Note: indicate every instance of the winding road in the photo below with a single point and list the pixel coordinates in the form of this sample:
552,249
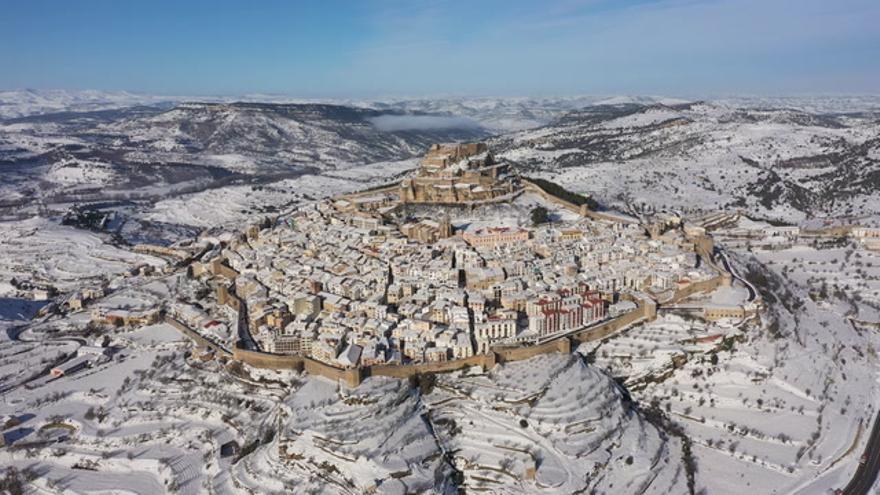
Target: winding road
866,473
753,292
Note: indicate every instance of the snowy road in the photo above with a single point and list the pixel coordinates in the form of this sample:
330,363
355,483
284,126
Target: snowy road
866,474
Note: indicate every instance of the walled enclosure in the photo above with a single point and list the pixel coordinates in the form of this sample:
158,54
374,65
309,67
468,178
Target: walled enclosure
646,310
353,376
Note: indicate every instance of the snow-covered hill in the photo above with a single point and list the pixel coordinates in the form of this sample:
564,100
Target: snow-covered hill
776,163
778,403
327,136
24,102
147,153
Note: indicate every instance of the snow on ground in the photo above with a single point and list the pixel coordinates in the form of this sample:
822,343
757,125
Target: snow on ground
153,421
28,140
646,350
145,420
701,157
779,405
233,206
379,171
516,214
45,252
17,103
79,173
353,441
653,116
236,205
550,424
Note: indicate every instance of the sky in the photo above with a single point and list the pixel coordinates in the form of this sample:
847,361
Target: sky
331,48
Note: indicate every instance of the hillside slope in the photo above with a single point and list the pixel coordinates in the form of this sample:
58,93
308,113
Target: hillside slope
781,164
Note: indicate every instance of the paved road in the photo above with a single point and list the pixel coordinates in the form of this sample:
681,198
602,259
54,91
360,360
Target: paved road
244,333
753,292
866,474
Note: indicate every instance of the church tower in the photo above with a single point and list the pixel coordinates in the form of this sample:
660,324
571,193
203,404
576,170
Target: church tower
445,228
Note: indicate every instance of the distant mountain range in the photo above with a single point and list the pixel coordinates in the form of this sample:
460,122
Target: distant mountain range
785,159
140,152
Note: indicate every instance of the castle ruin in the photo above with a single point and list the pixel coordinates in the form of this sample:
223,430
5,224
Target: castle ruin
458,173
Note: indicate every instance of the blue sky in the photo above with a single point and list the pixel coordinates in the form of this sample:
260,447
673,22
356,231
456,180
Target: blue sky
332,48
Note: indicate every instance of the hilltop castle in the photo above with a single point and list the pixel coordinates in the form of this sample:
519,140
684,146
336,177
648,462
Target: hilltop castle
457,173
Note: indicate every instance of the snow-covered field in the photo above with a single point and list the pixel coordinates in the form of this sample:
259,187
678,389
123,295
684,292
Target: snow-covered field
780,405
773,163
44,252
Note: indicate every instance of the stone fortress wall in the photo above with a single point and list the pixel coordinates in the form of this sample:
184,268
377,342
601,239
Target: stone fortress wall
579,210
721,280
646,311
498,354
196,337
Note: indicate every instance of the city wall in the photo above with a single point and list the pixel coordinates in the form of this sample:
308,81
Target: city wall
499,354
701,286
390,188
609,327
579,210
196,337
534,188
351,376
520,353
839,231
161,250
219,267
485,361
224,297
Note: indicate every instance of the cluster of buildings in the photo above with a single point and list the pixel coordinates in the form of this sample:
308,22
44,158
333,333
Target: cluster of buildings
355,283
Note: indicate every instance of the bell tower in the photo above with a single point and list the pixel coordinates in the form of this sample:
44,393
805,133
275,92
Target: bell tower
445,228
